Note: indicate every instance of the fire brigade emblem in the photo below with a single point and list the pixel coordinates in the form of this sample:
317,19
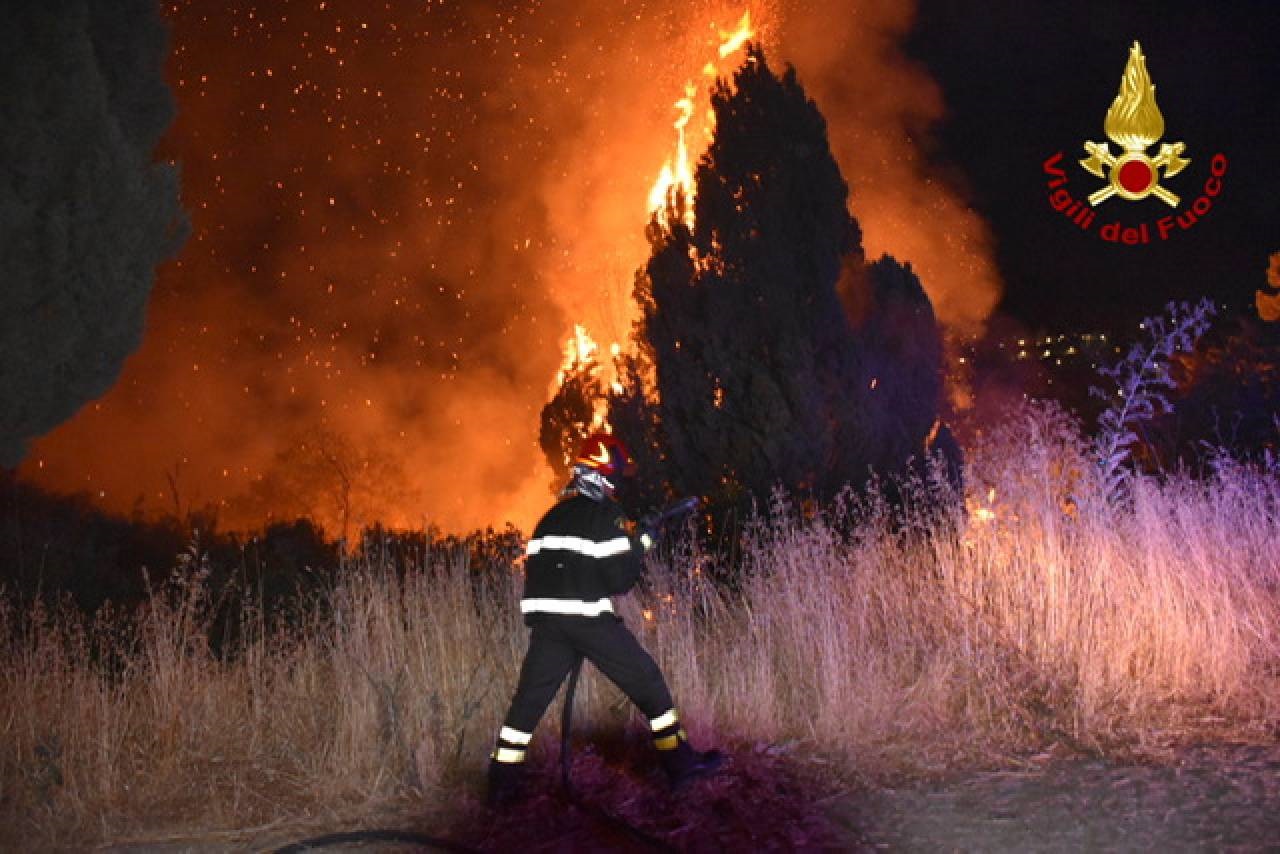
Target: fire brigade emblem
1134,123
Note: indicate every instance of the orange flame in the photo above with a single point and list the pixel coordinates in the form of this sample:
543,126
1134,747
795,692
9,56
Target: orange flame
676,176
985,512
736,39
580,350
1268,301
674,180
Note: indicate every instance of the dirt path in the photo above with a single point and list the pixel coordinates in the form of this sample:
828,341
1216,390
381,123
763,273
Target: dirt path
1211,799
1207,799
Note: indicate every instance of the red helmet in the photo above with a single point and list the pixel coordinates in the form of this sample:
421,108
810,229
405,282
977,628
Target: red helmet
607,455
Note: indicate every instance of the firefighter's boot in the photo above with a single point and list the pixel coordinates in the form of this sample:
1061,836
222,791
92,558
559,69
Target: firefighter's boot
506,783
684,764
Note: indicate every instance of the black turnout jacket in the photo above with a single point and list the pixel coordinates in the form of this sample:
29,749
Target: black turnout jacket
580,555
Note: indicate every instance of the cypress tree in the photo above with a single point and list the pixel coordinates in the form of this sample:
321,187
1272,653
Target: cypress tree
761,374
778,355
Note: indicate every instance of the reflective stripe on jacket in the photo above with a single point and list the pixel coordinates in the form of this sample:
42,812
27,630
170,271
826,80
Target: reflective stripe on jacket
580,555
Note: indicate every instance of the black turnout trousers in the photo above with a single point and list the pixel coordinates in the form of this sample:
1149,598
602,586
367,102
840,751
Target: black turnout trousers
555,644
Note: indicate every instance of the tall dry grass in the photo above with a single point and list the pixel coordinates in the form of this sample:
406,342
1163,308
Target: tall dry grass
891,644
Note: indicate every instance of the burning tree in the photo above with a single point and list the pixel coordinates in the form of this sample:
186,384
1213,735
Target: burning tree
780,356
568,418
582,405
769,351
753,352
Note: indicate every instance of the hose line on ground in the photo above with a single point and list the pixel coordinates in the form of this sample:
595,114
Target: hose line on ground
566,722
412,838
353,836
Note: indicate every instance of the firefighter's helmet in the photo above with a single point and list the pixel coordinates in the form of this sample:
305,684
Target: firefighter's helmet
608,456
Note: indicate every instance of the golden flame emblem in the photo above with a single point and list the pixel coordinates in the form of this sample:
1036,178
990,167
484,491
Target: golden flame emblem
1134,123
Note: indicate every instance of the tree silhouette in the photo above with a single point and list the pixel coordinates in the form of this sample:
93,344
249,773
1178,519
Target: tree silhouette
781,357
901,379
328,477
566,419
741,313
634,417
85,215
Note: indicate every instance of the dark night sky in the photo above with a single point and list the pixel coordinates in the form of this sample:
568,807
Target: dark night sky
1025,80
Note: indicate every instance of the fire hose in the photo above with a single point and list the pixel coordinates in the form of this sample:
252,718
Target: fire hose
679,510
651,525
566,721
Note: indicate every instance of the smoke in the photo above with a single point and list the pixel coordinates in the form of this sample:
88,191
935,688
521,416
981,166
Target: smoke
880,107
399,215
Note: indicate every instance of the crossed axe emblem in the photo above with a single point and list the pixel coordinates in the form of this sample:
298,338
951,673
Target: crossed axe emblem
1134,175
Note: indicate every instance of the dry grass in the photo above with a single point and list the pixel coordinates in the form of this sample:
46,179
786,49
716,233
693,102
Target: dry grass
1043,615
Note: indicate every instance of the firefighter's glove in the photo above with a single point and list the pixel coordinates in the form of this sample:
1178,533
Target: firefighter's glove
650,531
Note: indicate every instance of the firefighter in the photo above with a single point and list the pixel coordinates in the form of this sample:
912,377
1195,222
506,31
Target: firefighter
581,554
